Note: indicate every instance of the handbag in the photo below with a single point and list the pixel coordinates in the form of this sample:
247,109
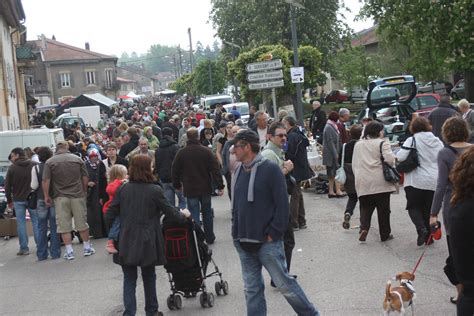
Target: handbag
290,183
341,173
32,199
412,161
390,174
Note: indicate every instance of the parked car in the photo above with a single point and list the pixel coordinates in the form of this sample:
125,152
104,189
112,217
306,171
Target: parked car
70,120
424,103
242,107
209,101
358,94
388,101
440,87
337,96
458,90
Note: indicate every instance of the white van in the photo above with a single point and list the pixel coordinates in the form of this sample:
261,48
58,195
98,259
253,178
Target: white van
26,138
242,107
209,101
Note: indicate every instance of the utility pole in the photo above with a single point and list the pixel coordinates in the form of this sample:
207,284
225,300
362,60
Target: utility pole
210,76
180,61
175,68
190,49
296,62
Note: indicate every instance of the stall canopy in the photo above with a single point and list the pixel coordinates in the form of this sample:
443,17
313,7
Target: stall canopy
90,100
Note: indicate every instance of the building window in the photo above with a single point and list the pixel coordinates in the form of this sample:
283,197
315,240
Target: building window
65,80
90,77
28,80
108,78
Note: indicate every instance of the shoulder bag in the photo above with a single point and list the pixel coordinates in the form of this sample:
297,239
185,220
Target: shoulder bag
412,161
340,173
390,174
32,198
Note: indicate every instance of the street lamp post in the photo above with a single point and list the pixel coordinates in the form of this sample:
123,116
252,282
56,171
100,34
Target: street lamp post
233,45
296,62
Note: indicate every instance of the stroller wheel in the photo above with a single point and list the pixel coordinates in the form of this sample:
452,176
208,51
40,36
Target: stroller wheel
210,299
203,299
225,287
178,303
218,288
171,303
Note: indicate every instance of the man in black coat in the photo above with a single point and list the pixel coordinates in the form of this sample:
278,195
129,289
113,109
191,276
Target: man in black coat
172,124
438,116
194,170
164,157
296,152
131,144
317,121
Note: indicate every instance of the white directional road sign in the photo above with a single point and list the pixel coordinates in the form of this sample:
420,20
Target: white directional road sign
297,74
266,85
264,65
261,76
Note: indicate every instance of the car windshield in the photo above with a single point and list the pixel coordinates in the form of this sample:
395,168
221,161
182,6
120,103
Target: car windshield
393,92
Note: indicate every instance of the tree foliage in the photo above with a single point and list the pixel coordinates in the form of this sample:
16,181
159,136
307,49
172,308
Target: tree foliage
353,67
437,33
250,24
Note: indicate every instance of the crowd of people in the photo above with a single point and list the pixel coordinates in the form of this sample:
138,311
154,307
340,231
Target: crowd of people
157,156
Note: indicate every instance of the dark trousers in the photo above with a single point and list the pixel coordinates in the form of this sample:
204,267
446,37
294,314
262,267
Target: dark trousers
449,267
351,203
419,207
130,285
228,180
289,244
465,305
368,203
297,210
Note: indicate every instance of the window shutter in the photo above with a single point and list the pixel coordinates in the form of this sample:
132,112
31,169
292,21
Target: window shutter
71,81
85,78
59,81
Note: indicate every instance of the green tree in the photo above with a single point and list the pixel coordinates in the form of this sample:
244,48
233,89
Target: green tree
184,84
438,35
250,24
353,67
209,77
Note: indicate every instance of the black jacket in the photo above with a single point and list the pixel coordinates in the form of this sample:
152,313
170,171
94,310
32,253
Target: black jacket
438,116
128,147
18,180
297,153
317,121
173,127
164,157
140,206
195,168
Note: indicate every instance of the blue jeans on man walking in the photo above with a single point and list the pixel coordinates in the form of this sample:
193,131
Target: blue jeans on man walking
271,256
47,215
20,213
203,203
170,192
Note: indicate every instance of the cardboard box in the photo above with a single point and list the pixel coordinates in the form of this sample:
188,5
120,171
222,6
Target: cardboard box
8,227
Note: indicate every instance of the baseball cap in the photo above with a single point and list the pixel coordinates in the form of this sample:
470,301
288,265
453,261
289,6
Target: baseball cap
247,136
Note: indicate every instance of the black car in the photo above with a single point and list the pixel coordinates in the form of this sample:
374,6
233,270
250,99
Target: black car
388,101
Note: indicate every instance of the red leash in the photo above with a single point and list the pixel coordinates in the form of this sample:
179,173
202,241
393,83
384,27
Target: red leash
422,254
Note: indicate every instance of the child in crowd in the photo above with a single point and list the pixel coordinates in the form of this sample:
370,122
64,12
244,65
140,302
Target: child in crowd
117,176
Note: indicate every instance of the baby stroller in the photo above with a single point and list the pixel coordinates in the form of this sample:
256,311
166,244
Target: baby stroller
188,257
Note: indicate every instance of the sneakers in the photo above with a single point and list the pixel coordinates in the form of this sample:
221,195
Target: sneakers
295,228
89,251
111,247
363,235
347,218
303,226
69,255
23,253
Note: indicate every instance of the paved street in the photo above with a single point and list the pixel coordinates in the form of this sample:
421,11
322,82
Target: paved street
340,275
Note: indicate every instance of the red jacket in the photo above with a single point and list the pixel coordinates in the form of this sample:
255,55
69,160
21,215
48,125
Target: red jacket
111,189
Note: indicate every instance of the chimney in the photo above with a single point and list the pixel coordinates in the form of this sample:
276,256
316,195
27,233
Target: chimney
53,38
88,46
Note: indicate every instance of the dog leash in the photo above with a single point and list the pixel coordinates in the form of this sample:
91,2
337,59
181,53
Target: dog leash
422,254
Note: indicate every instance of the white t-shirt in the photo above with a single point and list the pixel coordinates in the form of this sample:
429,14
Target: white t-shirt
262,135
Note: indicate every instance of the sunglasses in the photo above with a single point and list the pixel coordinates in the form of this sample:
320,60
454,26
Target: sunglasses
281,135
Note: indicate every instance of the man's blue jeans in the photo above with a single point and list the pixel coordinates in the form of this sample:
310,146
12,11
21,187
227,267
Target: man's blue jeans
195,205
20,212
169,192
271,256
47,215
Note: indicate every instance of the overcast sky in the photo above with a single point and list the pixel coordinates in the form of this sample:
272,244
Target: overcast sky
115,26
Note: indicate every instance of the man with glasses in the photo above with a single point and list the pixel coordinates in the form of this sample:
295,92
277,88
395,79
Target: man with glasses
260,216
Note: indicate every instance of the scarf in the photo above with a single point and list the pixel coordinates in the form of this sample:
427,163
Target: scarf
253,165
334,124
